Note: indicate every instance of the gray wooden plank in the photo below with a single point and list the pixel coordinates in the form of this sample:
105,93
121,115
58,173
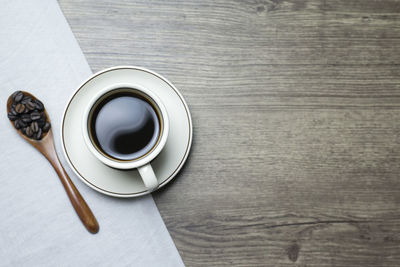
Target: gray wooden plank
295,107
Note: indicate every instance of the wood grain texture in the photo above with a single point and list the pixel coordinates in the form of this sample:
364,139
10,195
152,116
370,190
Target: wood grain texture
295,105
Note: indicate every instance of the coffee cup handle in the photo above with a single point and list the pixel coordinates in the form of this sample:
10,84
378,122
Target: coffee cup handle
148,177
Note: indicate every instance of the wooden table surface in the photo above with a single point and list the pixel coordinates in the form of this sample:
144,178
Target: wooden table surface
296,107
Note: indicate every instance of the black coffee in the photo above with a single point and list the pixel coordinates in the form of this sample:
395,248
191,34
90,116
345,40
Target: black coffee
124,126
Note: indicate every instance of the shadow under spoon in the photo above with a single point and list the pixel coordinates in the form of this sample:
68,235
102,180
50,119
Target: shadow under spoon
44,142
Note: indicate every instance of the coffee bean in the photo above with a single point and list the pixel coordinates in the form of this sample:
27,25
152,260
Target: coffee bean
41,122
26,99
28,115
28,131
35,115
11,116
38,135
13,111
35,127
14,94
17,96
22,123
46,127
39,105
20,108
30,105
16,124
26,118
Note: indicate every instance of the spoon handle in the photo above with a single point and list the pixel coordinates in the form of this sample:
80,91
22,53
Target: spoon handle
77,201
82,209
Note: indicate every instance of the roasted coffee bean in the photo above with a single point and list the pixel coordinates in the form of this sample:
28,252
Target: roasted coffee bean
28,115
11,116
46,127
42,117
26,118
30,105
17,96
26,99
35,115
28,131
20,108
14,94
17,125
13,111
35,127
22,123
41,122
38,135
39,105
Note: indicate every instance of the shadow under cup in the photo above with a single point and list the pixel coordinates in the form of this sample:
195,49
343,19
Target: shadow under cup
125,124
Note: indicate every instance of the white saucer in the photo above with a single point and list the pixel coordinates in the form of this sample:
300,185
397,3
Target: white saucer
114,182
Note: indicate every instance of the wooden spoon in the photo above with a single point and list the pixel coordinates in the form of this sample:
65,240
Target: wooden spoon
46,147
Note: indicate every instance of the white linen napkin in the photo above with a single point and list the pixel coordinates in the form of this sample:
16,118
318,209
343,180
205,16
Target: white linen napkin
38,226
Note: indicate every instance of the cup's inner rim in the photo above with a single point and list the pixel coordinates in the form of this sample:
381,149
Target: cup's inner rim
142,94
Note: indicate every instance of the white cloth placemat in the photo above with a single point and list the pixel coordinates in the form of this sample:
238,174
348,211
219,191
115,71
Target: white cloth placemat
38,226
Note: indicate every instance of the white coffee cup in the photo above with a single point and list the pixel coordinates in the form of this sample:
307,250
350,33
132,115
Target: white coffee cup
141,163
